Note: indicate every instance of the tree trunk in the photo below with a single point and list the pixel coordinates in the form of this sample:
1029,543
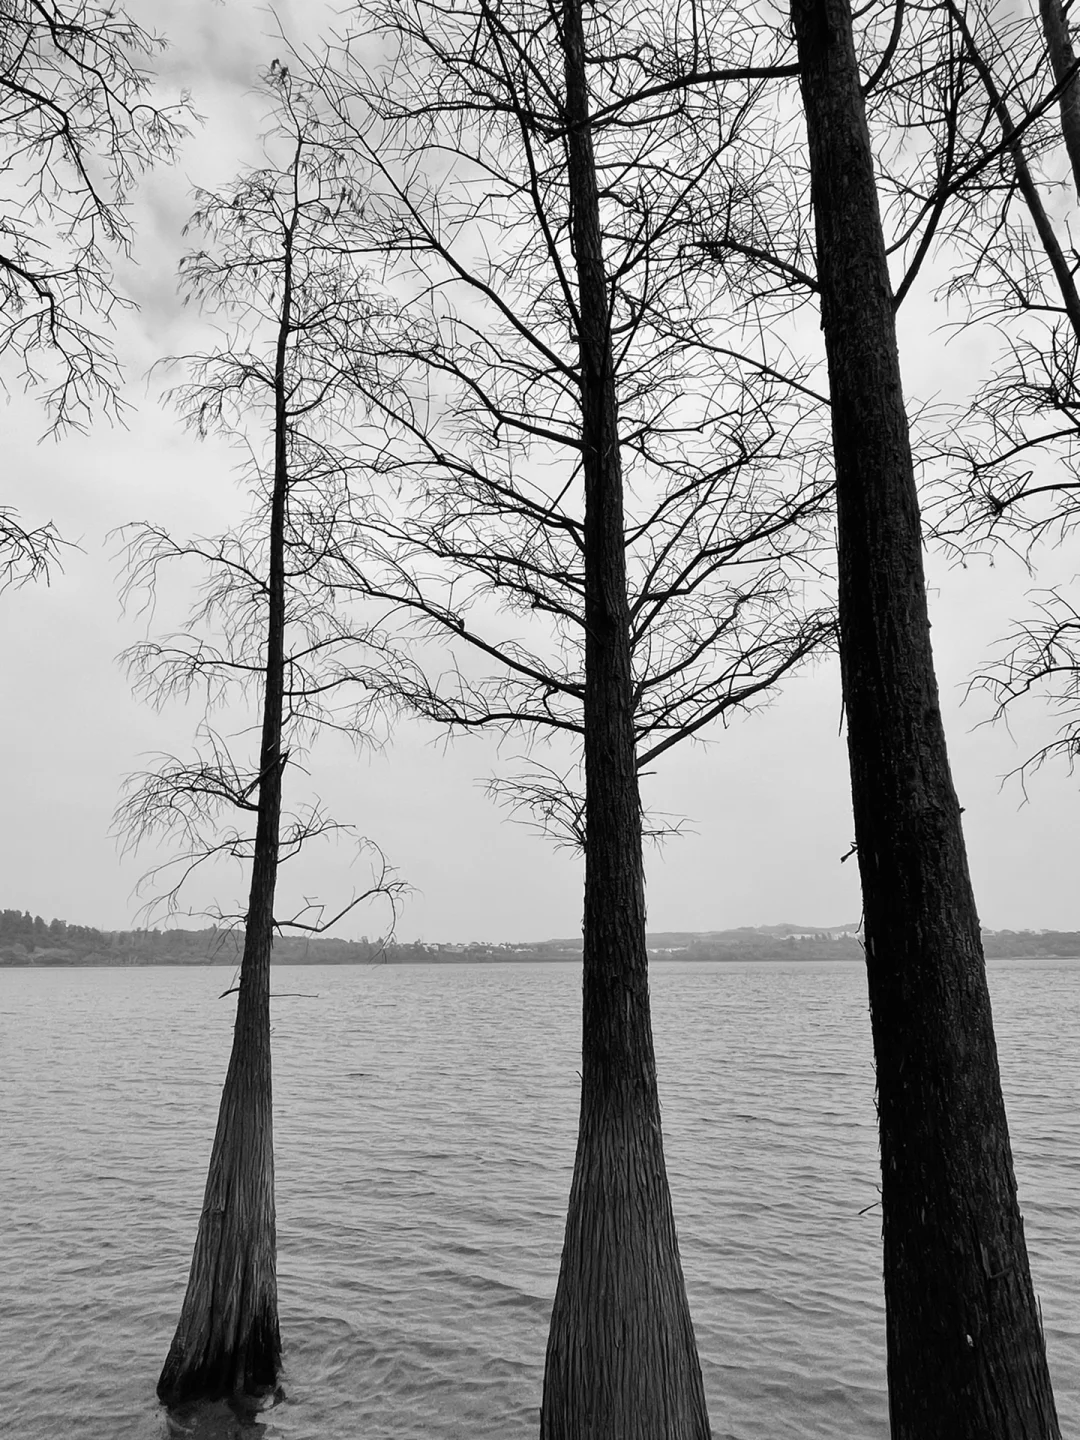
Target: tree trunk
1063,63
966,1359
227,1342
621,1359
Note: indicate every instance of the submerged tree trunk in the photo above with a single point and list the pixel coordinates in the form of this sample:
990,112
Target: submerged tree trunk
966,1358
621,1358
227,1342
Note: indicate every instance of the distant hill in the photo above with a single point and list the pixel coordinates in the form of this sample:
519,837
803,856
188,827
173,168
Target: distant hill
30,940
745,934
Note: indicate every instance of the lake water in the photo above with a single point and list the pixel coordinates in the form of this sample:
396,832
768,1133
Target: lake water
425,1125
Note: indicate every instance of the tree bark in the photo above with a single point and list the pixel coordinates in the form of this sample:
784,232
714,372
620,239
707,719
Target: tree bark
621,1358
228,1342
966,1359
1063,63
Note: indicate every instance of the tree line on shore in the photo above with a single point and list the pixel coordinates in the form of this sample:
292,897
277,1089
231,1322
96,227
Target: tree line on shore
30,940
558,343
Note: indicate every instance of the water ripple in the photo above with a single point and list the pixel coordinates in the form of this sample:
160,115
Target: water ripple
425,1121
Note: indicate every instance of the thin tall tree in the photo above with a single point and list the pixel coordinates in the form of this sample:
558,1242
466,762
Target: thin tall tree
277,270
621,1357
593,510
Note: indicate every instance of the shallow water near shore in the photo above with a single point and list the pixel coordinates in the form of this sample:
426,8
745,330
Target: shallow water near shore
425,1122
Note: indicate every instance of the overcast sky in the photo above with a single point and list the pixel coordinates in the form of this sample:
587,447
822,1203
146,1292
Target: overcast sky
767,800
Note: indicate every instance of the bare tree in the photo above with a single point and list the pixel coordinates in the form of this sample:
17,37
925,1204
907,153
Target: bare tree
965,1347
77,127
959,1299
601,495
276,271
1013,461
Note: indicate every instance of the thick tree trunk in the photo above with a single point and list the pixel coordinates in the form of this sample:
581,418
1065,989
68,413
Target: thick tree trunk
227,1342
966,1359
621,1359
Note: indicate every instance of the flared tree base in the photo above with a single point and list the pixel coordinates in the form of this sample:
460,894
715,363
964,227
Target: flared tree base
622,1361
241,1364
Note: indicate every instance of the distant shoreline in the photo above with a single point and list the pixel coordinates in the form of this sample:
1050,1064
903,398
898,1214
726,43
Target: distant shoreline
29,942
374,964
